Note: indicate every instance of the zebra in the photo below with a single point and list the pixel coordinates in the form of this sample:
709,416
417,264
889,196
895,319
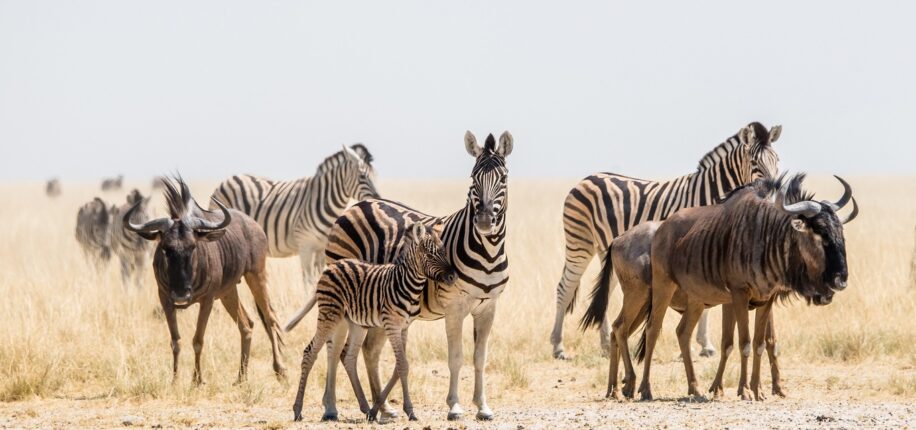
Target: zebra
93,231
605,205
132,250
365,295
474,239
296,215
112,184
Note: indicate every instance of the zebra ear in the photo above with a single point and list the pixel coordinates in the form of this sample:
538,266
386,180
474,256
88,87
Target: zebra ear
352,155
774,133
505,144
470,144
747,136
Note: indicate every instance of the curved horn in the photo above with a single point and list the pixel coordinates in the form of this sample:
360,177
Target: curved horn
854,213
847,194
160,224
202,224
806,208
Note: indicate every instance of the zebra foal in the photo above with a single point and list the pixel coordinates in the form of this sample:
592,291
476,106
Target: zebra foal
374,295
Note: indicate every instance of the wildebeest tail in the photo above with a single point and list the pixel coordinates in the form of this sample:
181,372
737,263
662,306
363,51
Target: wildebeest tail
268,326
301,313
641,346
600,296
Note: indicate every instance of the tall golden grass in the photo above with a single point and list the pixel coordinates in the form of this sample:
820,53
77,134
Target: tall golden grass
69,331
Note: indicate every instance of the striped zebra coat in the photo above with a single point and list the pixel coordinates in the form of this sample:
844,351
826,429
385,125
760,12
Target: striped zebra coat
474,239
365,295
132,250
605,205
296,215
93,231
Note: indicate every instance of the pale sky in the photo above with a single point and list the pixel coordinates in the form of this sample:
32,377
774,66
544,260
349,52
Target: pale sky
213,88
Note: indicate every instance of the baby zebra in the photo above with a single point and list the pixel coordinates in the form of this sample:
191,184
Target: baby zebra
132,250
369,295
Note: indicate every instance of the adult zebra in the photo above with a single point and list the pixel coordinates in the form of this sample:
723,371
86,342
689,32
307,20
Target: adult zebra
296,215
474,239
605,205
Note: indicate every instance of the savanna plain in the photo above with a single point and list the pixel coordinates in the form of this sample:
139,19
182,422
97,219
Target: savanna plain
79,349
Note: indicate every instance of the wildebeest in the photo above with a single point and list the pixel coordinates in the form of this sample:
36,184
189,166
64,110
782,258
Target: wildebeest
200,257
131,249
745,252
112,184
52,188
93,231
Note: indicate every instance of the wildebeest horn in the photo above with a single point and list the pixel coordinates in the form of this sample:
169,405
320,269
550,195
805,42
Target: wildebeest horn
806,208
160,224
202,224
854,213
847,194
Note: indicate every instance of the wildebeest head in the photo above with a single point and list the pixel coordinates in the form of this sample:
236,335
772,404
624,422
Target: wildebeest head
820,262
758,142
178,237
423,248
358,172
488,194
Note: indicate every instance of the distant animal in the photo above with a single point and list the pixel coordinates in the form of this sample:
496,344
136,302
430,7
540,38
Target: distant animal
474,238
200,257
112,184
52,188
132,250
745,252
605,205
158,183
631,261
296,215
387,296
93,231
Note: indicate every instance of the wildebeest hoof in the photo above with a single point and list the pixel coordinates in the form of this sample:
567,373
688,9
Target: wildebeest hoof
372,415
329,416
485,415
412,417
561,355
707,352
777,391
454,416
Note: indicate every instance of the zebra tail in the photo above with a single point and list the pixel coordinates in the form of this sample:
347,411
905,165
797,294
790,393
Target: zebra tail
641,346
600,296
301,313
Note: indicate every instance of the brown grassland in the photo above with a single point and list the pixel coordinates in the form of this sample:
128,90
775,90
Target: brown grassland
78,349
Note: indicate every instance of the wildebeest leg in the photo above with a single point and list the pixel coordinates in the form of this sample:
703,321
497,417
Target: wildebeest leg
662,292
335,347
708,350
203,316
257,283
577,258
739,307
760,327
773,352
327,325
684,330
237,312
635,300
351,352
728,340
372,350
169,309
483,322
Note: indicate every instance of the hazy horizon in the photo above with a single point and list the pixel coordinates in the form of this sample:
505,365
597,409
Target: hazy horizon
96,88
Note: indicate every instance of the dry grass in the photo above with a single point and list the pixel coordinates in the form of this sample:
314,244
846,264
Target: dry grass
69,332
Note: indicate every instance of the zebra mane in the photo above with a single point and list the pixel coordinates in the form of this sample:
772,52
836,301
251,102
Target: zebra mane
718,153
488,158
338,158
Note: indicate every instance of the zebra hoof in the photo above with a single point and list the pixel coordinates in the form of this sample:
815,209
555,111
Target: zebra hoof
707,352
561,355
329,417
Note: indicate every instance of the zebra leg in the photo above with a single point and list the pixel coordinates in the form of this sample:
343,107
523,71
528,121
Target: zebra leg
351,352
335,347
234,307
576,262
708,350
203,316
312,259
483,322
453,328
372,350
125,270
326,327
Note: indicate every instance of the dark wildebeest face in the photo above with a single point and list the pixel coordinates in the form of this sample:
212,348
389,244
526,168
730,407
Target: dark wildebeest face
429,254
758,142
488,194
359,172
821,245
178,238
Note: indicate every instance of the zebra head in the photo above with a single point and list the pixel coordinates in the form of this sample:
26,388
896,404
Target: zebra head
758,143
359,173
423,248
178,236
819,264
488,194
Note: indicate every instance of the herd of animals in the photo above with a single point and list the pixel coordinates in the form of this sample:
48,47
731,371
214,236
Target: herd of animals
734,233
